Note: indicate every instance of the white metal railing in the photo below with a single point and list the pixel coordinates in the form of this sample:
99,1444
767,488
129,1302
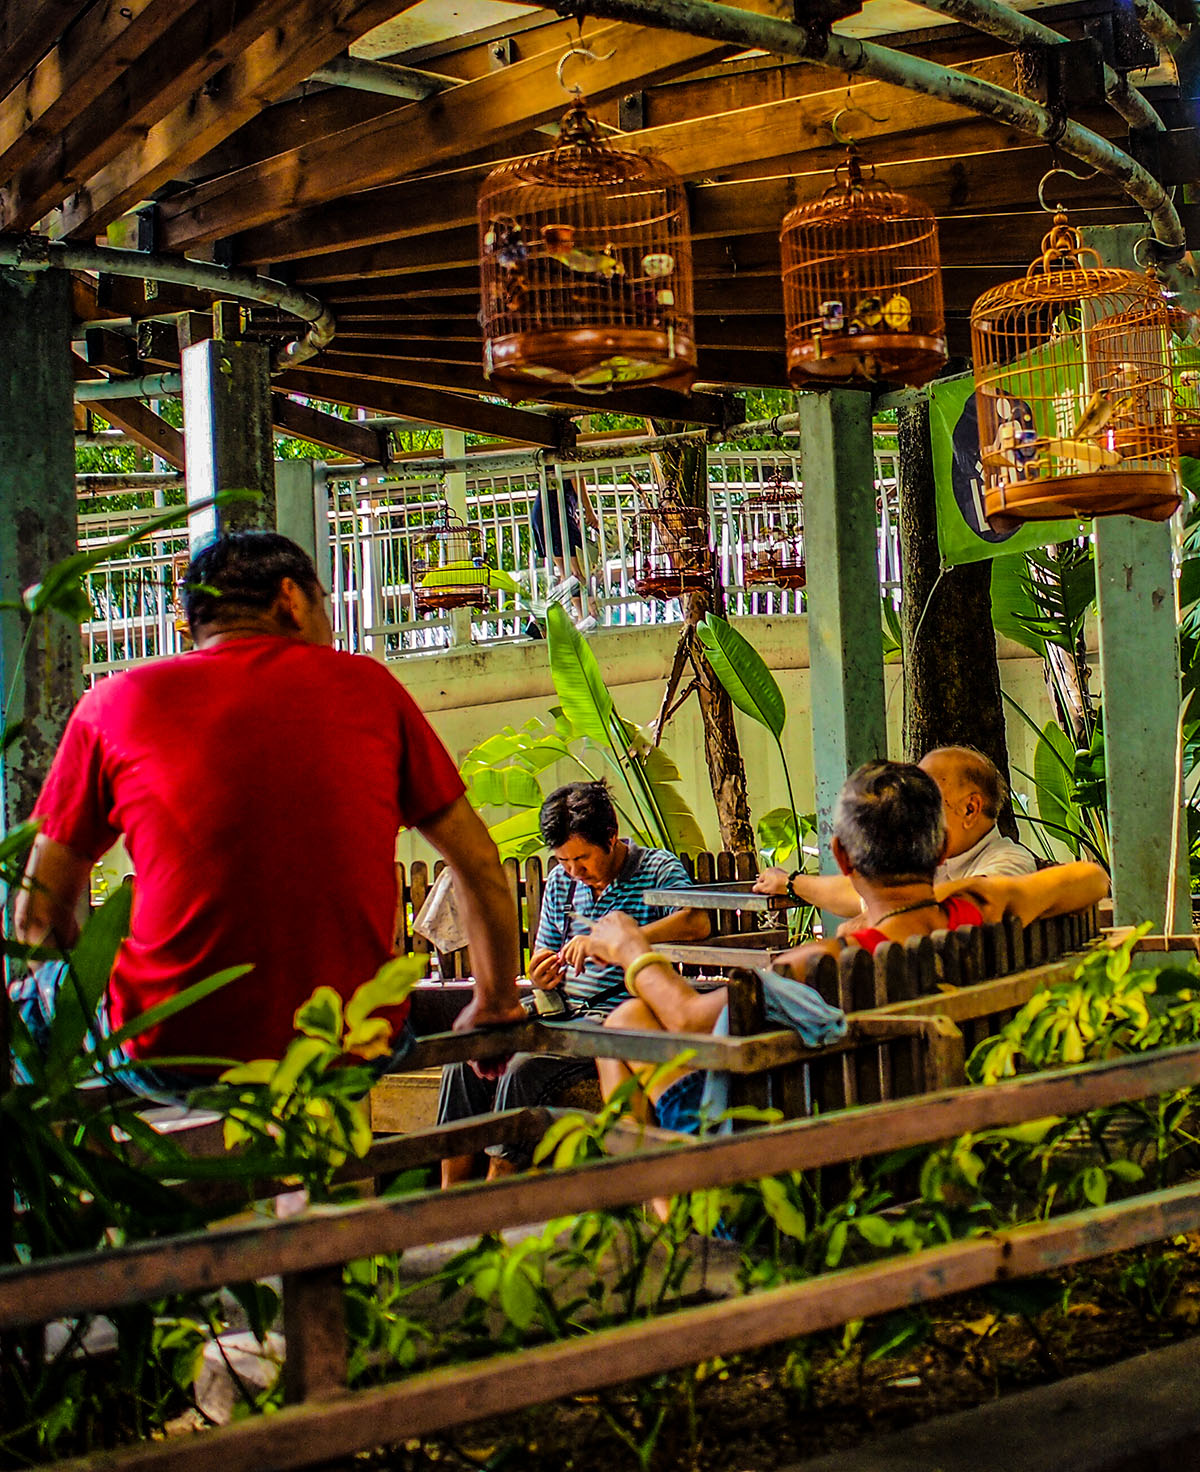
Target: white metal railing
371,538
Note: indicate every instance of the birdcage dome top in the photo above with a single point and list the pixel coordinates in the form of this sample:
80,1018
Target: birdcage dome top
1066,271
861,196
582,159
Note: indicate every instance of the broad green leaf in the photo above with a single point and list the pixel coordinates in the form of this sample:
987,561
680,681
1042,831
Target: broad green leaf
389,987
256,1071
704,1208
370,1039
504,786
683,831
519,836
782,1210
1014,613
744,673
89,967
1094,1185
1053,769
577,679
875,1230
302,1053
321,1016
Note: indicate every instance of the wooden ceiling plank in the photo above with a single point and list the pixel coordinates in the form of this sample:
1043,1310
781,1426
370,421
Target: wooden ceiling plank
797,127
165,72
410,401
27,32
90,57
313,32
420,136
346,436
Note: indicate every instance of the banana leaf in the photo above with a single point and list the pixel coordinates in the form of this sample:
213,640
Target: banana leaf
744,673
578,682
1053,770
519,836
89,967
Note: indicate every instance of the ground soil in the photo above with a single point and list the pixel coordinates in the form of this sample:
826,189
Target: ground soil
776,1407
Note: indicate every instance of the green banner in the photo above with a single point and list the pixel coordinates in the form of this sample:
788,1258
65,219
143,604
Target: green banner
963,532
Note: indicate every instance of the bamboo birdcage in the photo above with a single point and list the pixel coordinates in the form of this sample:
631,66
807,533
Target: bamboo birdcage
1073,390
672,548
448,568
586,268
1185,381
772,534
862,285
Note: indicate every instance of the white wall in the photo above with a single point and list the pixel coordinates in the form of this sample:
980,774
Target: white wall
470,693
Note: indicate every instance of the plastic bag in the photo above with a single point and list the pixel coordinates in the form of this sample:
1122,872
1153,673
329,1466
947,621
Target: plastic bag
438,919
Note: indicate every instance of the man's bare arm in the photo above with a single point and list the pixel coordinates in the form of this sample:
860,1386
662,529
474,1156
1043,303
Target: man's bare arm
832,892
488,912
679,925
1058,890
46,907
677,1006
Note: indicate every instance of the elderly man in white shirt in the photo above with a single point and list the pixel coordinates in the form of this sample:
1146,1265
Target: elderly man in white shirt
973,792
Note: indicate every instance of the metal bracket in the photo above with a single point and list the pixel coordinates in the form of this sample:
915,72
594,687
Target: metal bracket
502,53
631,112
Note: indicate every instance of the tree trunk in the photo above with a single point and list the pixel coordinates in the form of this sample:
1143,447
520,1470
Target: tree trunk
685,467
951,674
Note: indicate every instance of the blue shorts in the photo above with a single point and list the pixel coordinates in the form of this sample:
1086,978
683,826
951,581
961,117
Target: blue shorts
678,1106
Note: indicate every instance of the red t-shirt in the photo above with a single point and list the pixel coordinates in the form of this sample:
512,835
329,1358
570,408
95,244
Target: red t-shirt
959,911
260,785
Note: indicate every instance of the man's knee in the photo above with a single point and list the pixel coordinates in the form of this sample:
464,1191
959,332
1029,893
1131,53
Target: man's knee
633,1014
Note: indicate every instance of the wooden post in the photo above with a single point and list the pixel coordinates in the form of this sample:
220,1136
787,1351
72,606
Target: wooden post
845,635
314,1330
228,439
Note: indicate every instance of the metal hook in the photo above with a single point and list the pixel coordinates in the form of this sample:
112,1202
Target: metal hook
1049,174
587,54
841,113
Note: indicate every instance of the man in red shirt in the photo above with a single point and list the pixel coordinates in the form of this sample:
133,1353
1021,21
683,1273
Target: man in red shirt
259,782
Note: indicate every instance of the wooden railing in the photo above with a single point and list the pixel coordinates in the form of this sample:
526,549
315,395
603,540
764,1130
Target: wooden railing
324,1420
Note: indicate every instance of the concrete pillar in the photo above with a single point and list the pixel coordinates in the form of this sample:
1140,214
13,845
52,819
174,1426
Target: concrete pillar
1139,671
228,440
845,632
39,681
454,447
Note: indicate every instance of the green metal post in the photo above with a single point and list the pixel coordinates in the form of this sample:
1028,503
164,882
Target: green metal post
1139,670
39,681
845,633
228,440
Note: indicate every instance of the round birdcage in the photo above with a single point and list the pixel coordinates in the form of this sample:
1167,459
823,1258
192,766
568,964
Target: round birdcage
1073,390
862,285
180,562
586,268
771,523
672,550
448,568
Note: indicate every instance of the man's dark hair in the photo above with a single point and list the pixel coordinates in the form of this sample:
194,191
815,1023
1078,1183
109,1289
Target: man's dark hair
243,570
889,819
580,809
975,769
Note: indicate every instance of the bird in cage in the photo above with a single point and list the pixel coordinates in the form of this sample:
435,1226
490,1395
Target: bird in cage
559,245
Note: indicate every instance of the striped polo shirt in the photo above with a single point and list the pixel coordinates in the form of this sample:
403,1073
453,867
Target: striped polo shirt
601,986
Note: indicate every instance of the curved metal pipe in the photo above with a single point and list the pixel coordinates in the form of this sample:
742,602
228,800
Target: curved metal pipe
36,253
152,386
1157,24
1017,29
742,28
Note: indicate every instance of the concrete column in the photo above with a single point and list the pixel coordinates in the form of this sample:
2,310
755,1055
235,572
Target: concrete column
1139,671
845,631
228,440
41,681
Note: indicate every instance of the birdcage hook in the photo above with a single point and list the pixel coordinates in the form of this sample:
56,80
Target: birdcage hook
587,54
835,124
1048,175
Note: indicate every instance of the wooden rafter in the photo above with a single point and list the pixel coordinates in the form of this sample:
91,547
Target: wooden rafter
410,401
355,441
308,34
420,136
145,426
27,32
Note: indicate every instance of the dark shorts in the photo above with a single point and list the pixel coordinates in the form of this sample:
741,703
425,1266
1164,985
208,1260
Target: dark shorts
678,1106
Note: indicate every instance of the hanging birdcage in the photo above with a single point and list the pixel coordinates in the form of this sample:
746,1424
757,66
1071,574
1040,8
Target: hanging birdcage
1073,390
771,524
672,553
180,563
448,569
586,268
862,285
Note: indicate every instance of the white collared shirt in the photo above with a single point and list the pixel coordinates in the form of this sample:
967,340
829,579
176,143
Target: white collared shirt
993,854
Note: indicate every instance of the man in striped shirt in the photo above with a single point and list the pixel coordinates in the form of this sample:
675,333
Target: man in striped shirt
598,873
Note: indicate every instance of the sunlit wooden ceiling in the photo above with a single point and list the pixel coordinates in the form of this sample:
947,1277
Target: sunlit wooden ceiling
256,133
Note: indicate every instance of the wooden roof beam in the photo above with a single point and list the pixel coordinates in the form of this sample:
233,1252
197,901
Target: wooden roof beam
309,33
420,136
448,411
27,32
347,436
